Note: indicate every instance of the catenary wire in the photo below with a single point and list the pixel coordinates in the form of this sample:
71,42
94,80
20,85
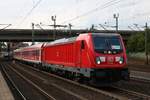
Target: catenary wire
108,4
29,13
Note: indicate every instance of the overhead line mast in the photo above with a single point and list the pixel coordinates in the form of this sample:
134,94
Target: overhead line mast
116,16
53,18
146,44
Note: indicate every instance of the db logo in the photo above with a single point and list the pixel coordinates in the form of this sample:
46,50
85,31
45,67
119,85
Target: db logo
110,59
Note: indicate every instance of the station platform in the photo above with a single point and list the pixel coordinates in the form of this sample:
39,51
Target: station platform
5,93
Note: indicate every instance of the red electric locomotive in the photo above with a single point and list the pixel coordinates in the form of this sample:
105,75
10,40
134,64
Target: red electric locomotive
96,57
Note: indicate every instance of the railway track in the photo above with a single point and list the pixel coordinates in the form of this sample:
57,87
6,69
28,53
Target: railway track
112,92
139,88
133,95
65,86
16,92
138,75
116,90
33,90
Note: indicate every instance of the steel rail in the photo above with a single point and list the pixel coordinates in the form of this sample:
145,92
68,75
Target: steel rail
140,80
112,95
33,84
144,76
20,94
136,95
56,86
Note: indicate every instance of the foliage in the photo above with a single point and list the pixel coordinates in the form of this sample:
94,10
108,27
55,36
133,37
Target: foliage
136,42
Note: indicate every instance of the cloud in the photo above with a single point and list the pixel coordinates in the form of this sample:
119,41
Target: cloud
13,12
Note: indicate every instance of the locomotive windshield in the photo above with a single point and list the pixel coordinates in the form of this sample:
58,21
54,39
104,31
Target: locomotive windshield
107,44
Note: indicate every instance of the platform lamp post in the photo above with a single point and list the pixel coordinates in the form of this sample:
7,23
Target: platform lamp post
54,33
116,16
32,33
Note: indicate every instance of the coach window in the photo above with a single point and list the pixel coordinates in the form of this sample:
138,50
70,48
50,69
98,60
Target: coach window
37,52
82,44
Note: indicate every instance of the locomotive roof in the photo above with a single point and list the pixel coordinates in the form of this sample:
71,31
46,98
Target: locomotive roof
61,41
72,39
106,34
36,46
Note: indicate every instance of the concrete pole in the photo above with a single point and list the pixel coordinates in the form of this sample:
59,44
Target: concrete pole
32,33
70,28
116,16
54,33
146,46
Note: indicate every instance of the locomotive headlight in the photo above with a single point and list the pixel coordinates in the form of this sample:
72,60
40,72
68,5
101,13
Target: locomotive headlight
120,62
98,61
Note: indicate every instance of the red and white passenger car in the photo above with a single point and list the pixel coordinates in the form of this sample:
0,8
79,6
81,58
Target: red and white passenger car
31,54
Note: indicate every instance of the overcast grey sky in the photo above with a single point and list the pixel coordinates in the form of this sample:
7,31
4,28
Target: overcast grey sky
80,13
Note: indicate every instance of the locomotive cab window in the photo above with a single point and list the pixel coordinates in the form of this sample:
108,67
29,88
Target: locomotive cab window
103,44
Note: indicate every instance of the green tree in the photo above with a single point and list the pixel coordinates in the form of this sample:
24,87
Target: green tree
136,42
